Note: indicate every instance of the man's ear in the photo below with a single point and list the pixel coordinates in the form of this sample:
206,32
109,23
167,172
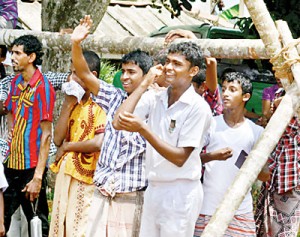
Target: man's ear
194,70
95,73
246,97
32,57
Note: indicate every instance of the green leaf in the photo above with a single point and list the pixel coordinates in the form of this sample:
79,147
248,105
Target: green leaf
230,13
107,71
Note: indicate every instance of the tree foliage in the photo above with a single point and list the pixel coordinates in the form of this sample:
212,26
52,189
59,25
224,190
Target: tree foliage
288,11
174,6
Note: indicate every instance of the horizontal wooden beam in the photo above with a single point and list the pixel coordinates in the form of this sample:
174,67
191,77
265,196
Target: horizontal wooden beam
219,48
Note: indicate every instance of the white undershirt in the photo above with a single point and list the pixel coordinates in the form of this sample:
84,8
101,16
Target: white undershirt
219,175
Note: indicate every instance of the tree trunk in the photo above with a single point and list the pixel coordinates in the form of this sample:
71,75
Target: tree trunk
64,14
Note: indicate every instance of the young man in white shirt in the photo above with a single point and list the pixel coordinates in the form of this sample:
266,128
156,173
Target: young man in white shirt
238,134
177,119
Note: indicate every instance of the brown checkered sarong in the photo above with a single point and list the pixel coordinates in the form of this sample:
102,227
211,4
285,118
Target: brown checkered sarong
278,215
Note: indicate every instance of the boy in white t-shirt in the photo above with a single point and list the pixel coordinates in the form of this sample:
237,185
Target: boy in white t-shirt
239,134
3,186
177,119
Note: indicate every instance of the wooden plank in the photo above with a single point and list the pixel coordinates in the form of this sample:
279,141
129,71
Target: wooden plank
126,18
110,27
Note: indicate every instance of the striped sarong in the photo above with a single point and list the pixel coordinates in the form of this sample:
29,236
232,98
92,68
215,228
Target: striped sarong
277,215
241,226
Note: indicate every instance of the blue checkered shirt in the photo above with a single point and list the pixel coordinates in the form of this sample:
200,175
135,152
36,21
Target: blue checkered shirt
121,166
56,79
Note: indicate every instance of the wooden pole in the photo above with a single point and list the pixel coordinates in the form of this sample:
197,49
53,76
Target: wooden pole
218,48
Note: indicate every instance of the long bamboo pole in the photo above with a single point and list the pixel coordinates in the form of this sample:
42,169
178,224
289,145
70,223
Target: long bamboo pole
264,25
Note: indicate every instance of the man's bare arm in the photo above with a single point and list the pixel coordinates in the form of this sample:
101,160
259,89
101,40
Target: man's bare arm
221,154
176,155
61,127
88,146
33,188
78,60
211,74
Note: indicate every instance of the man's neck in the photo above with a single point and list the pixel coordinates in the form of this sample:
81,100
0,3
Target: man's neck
175,93
28,73
85,97
234,117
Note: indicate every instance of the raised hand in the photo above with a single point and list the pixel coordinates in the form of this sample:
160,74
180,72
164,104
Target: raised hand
154,73
177,34
82,30
210,61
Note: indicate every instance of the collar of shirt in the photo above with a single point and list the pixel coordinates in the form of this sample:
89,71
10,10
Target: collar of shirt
34,79
184,98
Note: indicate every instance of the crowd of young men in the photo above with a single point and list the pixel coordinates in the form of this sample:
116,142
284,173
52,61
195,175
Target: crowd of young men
147,176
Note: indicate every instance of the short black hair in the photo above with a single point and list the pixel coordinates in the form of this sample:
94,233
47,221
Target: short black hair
242,79
160,57
31,44
226,70
191,51
3,51
200,77
93,61
140,58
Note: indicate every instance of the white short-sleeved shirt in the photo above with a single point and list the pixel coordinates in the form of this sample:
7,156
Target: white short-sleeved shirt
219,175
183,124
3,182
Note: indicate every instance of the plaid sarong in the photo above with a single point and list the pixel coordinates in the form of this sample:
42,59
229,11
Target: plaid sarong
277,215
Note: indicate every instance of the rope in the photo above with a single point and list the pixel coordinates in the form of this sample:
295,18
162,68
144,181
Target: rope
282,62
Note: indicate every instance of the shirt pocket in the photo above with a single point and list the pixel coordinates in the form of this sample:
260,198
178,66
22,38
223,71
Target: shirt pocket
173,126
26,107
